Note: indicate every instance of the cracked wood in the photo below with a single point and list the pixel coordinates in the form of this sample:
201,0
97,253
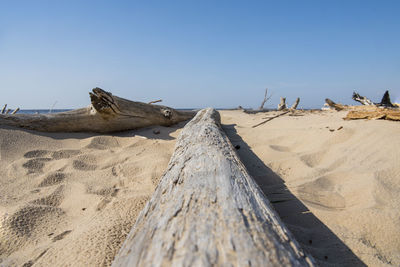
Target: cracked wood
208,211
107,113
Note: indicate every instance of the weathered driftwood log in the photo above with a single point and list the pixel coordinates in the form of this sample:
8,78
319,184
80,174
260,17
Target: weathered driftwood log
374,114
282,104
385,101
332,104
371,112
3,109
208,211
362,99
295,104
107,113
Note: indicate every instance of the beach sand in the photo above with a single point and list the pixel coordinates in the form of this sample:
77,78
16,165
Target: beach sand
335,183
71,199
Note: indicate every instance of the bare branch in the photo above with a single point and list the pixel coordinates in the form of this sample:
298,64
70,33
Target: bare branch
266,98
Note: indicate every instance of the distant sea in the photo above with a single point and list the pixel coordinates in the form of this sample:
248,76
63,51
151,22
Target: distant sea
41,111
46,111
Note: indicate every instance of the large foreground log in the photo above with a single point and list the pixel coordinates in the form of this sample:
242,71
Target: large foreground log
208,211
107,113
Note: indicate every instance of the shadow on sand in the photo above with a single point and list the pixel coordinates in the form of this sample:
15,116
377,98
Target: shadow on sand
312,234
152,132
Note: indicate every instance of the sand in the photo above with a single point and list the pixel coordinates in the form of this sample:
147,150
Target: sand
335,183
71,199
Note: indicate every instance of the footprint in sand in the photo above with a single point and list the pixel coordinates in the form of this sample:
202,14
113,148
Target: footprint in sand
280,148
25,221
54,199
106,193
322,193
313,159
35,165
36,154
85,163
103,142
53,179
65,154
83,166
30,220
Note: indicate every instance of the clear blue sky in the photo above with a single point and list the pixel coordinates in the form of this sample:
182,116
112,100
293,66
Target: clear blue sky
198,53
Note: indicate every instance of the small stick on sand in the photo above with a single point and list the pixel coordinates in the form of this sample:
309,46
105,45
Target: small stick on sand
155,101
271,118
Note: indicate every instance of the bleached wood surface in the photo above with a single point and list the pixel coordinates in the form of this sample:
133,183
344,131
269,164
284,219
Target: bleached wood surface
208,211
107,113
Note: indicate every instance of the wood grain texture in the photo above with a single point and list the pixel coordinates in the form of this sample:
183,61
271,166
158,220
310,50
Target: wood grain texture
208,211
107,113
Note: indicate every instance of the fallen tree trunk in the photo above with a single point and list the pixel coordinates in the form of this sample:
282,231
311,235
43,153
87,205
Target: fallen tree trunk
107,113
374,114
208,211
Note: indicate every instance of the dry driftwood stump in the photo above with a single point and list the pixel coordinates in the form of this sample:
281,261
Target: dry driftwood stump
282,104
107,113
295,104
370,112
208,211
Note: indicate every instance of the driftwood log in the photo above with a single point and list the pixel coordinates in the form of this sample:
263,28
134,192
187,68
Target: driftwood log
336,106
370,112
362,99
374,114
385,101
295,104
208,211
282,104
107,113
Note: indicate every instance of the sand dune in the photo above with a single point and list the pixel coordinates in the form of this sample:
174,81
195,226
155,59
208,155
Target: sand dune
335,183
70,199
